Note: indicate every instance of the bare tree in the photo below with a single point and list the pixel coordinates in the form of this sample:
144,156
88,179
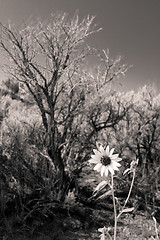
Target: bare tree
47,59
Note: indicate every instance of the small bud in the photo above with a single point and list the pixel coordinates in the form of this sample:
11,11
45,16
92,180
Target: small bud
133,166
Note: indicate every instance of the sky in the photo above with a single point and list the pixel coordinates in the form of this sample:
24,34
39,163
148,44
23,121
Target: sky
130,28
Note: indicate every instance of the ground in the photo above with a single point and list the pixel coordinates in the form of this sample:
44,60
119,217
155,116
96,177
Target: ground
139,228
81,222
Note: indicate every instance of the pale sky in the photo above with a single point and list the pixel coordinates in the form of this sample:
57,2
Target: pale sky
131,28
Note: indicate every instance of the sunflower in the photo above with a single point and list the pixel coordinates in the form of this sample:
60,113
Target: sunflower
105,160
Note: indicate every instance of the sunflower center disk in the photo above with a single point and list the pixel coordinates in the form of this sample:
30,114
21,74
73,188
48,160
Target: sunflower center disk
105,160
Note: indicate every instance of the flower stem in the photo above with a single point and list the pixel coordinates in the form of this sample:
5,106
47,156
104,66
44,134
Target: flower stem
114,206
156,230
129,193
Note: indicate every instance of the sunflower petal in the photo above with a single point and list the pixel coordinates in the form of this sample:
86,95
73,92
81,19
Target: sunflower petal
107,149
115,156
98,166
96,152
95,157
111,170
93,161
111,152
101,149
118,159
116,164
106,172
102,170
98,170
98,145
115,168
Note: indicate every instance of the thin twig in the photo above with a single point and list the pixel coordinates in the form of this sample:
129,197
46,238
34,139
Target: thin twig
129,193
114,205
